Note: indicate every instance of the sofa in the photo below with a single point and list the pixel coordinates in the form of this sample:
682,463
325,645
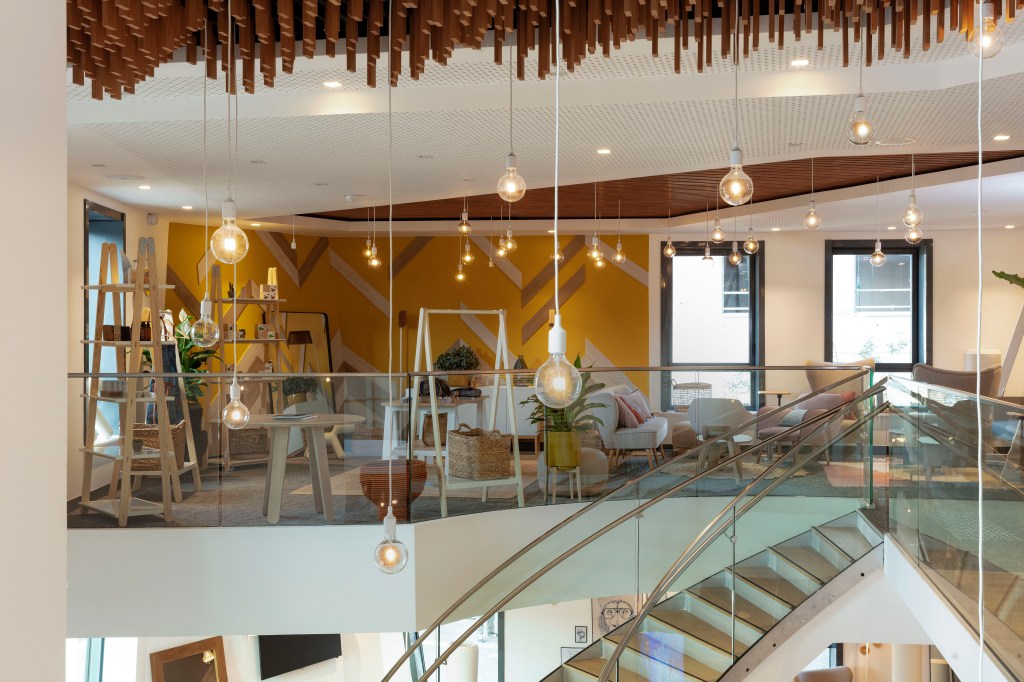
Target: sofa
646,439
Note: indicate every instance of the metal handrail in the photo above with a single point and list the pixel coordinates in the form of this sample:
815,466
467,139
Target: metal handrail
639,510
614,493
708,535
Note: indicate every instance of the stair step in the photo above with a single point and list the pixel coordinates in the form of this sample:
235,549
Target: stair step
721,596
814,554
847,538
668,651
594,666
701,629
772,580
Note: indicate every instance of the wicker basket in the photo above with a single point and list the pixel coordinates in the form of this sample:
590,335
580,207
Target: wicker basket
428,429
149,434
249,442
479,455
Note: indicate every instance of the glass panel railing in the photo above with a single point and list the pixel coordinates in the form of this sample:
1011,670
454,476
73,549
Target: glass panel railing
366,435
630,537
942,492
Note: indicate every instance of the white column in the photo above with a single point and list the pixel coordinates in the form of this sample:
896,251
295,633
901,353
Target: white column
33,353
908,662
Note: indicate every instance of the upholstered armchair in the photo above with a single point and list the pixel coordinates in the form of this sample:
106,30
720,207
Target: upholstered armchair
645,439
960,381
711,418
802,411
842,674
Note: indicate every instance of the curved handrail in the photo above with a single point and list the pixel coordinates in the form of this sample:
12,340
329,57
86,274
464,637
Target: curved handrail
710,533
639,510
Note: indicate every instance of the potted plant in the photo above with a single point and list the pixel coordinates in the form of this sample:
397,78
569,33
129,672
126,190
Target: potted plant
193,361
564,426
297,388
458,359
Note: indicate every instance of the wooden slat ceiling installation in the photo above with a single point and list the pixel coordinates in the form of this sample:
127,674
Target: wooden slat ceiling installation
119,43
659,196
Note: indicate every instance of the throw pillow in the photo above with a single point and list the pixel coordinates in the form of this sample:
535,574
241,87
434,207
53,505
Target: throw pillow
627,417
636,399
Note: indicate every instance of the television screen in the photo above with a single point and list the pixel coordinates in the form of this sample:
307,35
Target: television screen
280,654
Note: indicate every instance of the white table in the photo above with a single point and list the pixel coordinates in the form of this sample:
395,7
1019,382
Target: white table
419,448
315,429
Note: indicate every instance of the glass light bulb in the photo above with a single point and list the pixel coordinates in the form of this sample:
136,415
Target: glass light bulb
460,276
912,217
877,258
812,221
735,257
464,227
557,382
467,256
205,333
595,253
619,256
511,186
750,245
717,235
374,261
600,263
501,253
367,251
235,414
669,250
860,130
913,234
510,243
229,243
391,554
559,256
736,187
707,261
989,41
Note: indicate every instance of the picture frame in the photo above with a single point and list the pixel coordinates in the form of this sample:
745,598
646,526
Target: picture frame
240,334
228,331
201,661
567,652
266,331
611,612
581,634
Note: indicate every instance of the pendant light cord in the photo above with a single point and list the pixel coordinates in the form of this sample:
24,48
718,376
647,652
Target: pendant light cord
558,78
206,184
913,173
511,149
736,82
977,373
233,168
812,178
863,58
227,86
391,265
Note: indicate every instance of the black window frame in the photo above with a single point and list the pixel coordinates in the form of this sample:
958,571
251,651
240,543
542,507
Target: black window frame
922,265
755,301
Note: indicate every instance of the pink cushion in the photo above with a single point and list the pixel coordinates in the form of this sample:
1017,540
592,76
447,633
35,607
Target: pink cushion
628,418
636,399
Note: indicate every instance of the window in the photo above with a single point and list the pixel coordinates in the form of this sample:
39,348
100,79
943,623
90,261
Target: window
101,660
877,312
711,315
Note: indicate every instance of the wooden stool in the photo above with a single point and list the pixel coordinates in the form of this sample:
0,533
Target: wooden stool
373,477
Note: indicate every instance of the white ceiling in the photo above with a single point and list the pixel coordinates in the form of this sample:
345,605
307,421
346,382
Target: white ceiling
303,147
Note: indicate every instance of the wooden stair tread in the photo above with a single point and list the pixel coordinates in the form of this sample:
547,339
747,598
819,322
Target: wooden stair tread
771,581
594,666
653,646
847,538
810,560
722,598
696,626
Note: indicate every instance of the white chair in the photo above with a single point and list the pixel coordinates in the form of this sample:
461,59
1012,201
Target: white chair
710,419
645,439
843,674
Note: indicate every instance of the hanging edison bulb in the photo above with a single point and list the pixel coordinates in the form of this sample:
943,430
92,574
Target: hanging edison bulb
914,234
205,332
707,261
989,40
374,261
912,217
460,276
736,187
391,554
510,243
557,382
735,257
558,255
877,257
860,130
750,245
595,248
368,249
717,234
229,242
669,250
464,227
600,263
502,251
812,221
467,255
235,414
511,186
619,256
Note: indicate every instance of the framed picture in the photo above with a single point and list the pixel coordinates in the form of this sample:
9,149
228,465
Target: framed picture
228,332
568,652
241,333
201,661
581,634
611,612
265,331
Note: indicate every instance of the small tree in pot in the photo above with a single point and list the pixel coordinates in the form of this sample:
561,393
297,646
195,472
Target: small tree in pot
458,359
297,388
564,426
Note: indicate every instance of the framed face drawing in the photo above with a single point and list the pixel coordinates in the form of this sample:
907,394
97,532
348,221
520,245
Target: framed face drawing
611,612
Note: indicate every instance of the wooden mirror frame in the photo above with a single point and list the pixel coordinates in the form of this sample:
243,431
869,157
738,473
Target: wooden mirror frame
158,658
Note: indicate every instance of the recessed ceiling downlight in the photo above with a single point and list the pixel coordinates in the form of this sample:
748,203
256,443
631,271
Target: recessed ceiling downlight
895,142
124,176
800,63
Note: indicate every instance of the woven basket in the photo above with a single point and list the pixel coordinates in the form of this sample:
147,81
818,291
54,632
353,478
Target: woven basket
149,434
442,428
242,442
479,455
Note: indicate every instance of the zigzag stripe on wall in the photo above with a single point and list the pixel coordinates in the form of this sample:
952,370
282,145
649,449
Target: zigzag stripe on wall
627,266
356,280
477,326
205,263
593,356
565,292
190,302
282,253
408,253
545,276
503,264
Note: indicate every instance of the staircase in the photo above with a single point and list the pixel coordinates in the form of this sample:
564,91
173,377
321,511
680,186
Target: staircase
688,636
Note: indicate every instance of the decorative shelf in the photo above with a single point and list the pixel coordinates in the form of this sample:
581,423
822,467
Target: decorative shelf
125,344
250,300
124,399
224,341
136,507
122,286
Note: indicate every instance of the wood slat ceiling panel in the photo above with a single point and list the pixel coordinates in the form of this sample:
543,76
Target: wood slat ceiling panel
660,196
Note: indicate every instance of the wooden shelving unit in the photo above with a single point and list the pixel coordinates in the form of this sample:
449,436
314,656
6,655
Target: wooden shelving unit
123,297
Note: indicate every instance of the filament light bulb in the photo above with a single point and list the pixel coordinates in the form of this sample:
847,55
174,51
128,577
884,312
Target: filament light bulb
619,256
669,250
989,40
235,414
736,187
912,217
750,245
374,261
510,243
464,227
812,221
559,256
707,261
460,276
511,186
557,382
861,130
368,251
913,234
205,332
600,263
467,256
229,242
735,257
717,235
391,554
877,258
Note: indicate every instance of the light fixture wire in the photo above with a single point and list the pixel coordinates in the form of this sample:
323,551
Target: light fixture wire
232,181
812,178
206,184
977,373
511,149
391,265
558,79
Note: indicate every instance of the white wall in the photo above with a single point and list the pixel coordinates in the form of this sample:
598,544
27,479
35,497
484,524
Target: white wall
795,303
33,168
534,637
135,228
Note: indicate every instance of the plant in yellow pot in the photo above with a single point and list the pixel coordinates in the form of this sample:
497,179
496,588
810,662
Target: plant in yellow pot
563,427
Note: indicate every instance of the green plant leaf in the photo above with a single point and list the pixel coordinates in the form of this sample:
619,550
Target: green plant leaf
1012,279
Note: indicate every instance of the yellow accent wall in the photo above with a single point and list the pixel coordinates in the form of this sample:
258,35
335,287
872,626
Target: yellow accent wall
610,308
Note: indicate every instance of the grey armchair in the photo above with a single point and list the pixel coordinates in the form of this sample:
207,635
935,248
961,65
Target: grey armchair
842,674
958,380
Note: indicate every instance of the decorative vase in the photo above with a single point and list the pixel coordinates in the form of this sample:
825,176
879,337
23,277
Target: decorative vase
295,398
520,363
562,449
458,380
